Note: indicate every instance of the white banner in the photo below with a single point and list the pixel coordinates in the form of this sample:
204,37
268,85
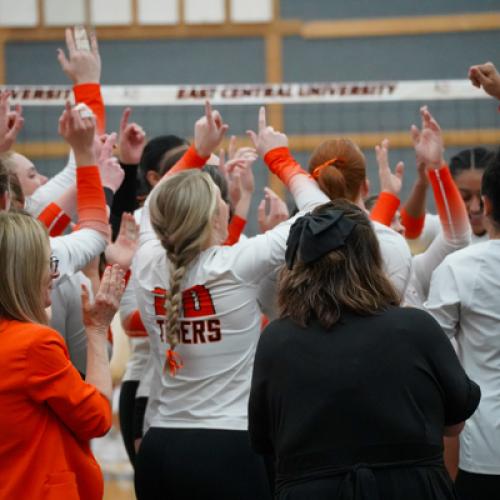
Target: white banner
283,93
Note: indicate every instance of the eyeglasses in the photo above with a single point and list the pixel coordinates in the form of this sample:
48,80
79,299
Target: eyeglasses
54,264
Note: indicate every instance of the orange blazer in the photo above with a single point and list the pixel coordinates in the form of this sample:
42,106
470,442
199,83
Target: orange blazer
48,414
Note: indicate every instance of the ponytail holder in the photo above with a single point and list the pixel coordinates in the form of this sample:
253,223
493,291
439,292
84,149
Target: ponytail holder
317,171
173,361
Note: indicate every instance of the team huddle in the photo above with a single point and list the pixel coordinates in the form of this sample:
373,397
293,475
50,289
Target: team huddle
349,350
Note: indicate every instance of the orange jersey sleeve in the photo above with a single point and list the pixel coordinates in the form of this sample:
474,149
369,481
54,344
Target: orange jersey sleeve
450,205
190,159
235,228
91,202
385,208
90,94
413,225
281,163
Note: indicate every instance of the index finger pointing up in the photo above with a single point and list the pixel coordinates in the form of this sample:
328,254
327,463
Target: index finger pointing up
70,42
208,114
262,118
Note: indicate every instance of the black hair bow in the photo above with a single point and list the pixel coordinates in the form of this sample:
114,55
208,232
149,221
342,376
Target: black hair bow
314,235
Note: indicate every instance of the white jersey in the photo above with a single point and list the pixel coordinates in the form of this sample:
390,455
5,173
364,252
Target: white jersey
54,188
219,324
464,298
219,328
396,256
139,346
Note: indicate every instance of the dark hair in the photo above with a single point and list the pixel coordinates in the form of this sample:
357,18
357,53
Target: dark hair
490,186
170,158
468,159
154,151
370,201
219,180
350,278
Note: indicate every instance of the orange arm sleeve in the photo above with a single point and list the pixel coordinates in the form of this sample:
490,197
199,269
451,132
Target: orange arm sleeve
385,208
281,163
235,228
55,219
413,225
90,200
90,94
190,159
450,206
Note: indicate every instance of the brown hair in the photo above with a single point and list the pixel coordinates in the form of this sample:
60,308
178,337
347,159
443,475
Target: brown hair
345,174
350,278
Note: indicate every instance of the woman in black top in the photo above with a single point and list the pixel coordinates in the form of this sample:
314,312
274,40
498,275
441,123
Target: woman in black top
351,394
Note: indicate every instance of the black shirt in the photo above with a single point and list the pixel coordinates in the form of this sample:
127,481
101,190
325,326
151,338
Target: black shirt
372,389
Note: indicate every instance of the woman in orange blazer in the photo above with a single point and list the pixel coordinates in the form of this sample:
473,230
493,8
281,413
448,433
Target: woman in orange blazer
48,413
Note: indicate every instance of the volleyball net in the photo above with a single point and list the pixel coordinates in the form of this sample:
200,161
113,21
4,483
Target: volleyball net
308,112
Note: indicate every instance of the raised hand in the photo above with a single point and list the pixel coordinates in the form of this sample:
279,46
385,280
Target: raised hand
77,127
123,249
389,182
11,122
238,172
278,211
83,66
132,140
98,316
428,142
209,131
267,138
486,76
112,173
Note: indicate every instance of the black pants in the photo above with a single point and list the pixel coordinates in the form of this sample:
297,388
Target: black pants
127,411
471,486
131,410
199,464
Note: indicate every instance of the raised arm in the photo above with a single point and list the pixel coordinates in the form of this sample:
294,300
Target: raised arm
83,68
11,122
273,147
424,142
209,131
390,186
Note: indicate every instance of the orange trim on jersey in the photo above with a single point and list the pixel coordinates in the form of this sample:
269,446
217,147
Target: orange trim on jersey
449,203
385,208
90,199
235,228
281,163
55,219
90,94
190,159
413,225
60,225
133,325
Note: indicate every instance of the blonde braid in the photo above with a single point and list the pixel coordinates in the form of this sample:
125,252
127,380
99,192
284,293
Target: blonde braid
173,302
181,208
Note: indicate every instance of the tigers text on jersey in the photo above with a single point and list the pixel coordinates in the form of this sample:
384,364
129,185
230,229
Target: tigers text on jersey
219,328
